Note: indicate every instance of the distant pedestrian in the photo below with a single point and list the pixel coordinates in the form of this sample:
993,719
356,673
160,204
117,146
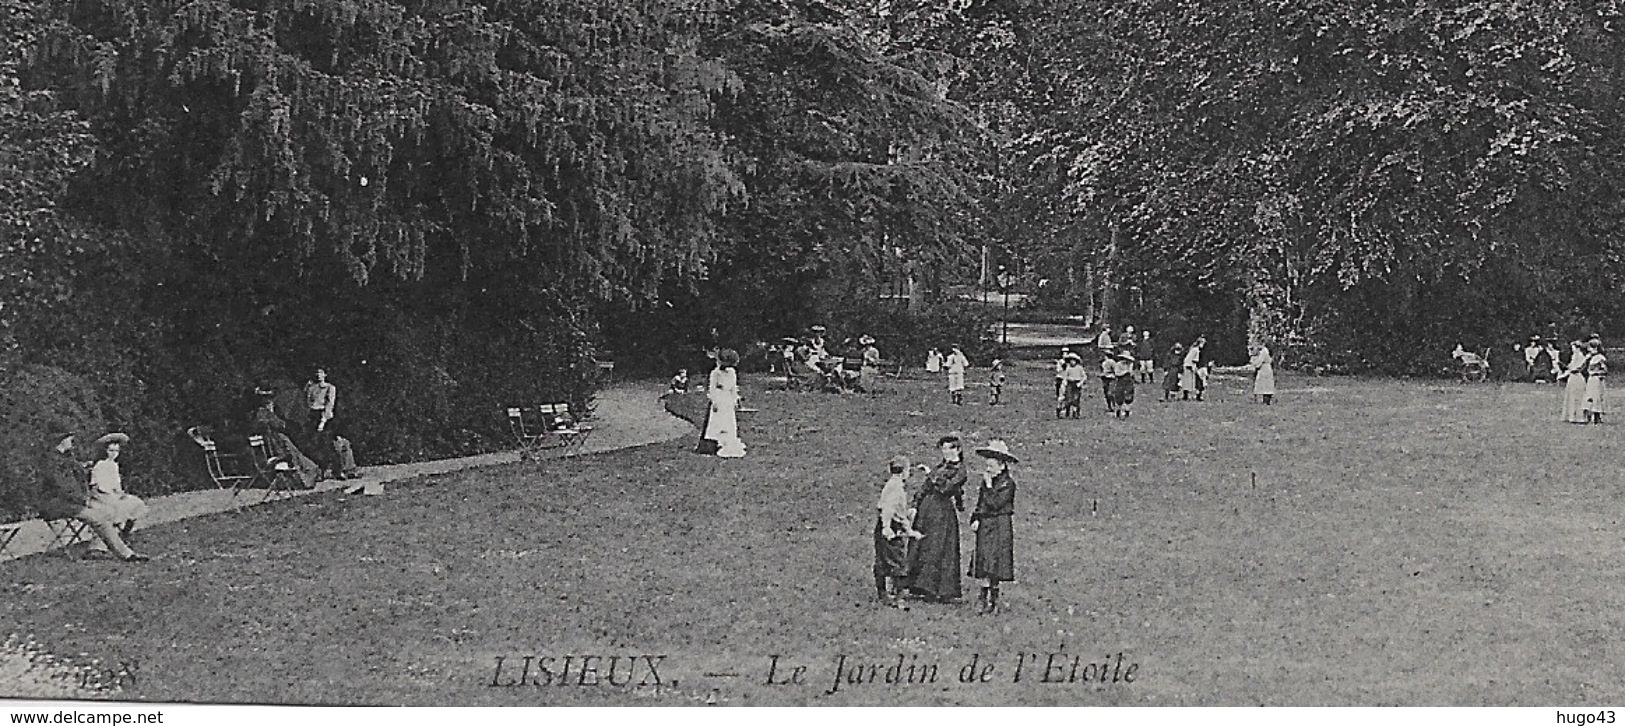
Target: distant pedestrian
994,561
679,382
956,365
1060,372
1574,384
1263,365
1123,384
1070,405
1108,376
1171,379
933,361
1596,401
995,382
1148,359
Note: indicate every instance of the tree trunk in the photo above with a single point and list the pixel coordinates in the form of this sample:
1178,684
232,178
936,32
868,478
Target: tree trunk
1088,293
1108,283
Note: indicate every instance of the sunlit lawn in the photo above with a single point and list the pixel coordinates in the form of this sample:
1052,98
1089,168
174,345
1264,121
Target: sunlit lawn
1414,543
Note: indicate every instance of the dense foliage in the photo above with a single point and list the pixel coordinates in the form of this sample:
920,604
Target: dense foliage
439,202
458,204
1372,181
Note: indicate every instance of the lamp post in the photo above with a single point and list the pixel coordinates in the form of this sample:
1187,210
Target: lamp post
1005,280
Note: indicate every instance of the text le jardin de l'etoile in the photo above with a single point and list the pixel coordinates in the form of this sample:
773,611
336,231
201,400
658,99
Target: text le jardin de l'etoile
1055,667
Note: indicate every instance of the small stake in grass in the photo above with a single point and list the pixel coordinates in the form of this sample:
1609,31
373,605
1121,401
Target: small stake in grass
1094,507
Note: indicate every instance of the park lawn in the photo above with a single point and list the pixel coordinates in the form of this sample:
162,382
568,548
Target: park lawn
1361,542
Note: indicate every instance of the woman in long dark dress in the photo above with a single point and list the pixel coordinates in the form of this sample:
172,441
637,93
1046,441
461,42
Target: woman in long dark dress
934,560
995,560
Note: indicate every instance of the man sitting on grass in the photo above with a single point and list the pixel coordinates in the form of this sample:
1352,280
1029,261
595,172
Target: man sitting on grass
65,494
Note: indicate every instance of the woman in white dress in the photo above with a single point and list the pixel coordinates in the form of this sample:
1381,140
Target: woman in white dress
956,365
933,361
1596,400
723,426
1574,386
107,488
1187,371
1264,376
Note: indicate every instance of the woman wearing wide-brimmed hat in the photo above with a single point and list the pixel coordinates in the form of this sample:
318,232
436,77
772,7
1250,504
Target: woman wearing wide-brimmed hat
1123,385
994,560
722,425
1073,376
869,374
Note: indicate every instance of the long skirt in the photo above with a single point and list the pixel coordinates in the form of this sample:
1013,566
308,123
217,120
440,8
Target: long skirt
995,550
1264,381
281,445
1170,381
1123,389
956,380
1187,380
891,555
1596,400
934,560
120,507
723,426
708,442
1574,399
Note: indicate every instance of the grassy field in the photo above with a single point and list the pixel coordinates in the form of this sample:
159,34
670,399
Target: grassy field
1361,542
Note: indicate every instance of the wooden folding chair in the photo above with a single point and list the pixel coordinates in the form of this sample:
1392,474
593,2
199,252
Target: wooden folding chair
527,432
564,425
228,471
278,473
66,533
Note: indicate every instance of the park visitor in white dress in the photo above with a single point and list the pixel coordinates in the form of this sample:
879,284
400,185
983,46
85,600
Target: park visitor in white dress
1596,400
1574,384
956,365
1263,365
107,488
723,426
1187,371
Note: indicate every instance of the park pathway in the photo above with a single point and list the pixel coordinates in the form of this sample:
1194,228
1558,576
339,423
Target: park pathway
625,415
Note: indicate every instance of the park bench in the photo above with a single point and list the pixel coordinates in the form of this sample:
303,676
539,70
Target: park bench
547,426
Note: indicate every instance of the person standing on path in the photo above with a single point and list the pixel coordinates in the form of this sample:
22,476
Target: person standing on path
1108,377
1148,359
320,398
934,559
994,561
956,365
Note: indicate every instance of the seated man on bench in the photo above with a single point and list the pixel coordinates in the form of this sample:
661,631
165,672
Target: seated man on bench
65,494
